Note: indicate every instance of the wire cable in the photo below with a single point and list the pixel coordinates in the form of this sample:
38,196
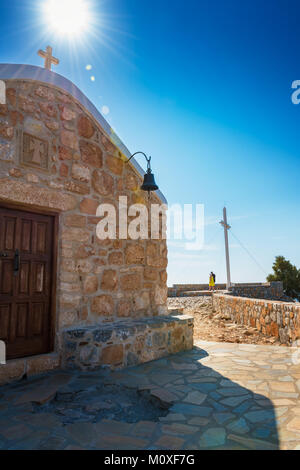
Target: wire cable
214,236
247,251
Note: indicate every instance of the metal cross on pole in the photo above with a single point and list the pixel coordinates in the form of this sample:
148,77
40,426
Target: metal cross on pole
226,228
49,59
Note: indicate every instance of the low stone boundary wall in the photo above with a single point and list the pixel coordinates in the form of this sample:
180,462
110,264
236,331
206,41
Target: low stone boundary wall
178,289
201,293
124,344
273,318
269,290
258,290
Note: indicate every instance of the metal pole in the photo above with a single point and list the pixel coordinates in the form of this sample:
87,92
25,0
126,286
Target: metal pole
226,228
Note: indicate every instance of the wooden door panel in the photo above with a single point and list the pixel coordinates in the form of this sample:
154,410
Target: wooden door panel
25,295
41,238
12,332
39,286
22,319
6,277
24,278
10,230
5,313
26,236
37,318
9,233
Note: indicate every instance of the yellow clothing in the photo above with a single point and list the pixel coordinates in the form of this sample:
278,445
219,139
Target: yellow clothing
211,281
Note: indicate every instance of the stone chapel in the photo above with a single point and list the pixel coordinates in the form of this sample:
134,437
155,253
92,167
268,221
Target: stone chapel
68,299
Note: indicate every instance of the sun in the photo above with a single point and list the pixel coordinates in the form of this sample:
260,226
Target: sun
67,17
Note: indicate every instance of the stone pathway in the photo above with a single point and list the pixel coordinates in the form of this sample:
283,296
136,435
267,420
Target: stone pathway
217,396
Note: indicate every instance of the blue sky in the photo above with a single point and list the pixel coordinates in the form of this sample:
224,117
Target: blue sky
205,88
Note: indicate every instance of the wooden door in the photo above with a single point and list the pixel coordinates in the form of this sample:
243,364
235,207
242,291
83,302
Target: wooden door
26,264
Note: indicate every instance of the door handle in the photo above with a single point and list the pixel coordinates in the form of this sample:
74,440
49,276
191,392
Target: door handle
16,262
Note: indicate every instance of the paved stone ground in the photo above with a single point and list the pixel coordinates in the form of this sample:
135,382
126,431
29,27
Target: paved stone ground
217,396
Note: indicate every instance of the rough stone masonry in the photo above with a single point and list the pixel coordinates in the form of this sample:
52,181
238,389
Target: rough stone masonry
280,320
110,296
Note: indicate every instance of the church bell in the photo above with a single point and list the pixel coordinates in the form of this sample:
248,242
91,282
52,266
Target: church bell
149,182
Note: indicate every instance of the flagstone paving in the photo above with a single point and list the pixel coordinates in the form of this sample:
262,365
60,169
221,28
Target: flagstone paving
217,396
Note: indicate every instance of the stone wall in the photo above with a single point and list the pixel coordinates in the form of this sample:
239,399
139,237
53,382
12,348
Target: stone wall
272,318
128,343
178,289
98,282
269,290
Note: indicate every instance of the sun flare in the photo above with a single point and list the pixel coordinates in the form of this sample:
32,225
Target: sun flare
67,17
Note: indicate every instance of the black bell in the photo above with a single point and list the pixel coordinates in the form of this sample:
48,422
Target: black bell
149,182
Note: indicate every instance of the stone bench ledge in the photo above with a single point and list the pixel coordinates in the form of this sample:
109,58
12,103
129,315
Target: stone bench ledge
122,344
